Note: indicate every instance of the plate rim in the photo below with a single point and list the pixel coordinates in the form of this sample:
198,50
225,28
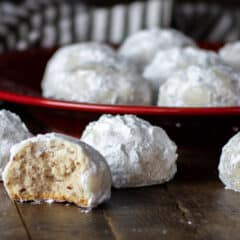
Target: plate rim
120,109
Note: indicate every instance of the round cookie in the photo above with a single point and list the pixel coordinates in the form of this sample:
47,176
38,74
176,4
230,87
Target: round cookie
94,73
141,47
166,62
229,165
12,131
73,56
195,86
230,53
59,168
138,153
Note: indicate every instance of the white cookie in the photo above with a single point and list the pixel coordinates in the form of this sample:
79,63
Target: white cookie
12,131
141,47
229,166
138,153
196,86
71,57
230,53
59,168
169,61
94,73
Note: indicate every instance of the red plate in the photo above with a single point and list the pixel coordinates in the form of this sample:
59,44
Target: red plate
21,74
20,77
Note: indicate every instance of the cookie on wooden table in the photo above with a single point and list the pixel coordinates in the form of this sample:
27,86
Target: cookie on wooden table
138,153
59,168
229,165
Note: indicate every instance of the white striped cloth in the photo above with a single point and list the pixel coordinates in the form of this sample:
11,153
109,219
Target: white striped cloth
34,24
46,23
208,21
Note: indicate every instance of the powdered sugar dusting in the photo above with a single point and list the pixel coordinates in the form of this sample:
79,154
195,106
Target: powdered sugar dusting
197,86
169,61
138,153
141,47
12,131
94,175
229,170
94,73
231,54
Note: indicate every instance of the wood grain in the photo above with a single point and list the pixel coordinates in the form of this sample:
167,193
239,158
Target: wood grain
61,221
212,210
11,226
147,213
194,205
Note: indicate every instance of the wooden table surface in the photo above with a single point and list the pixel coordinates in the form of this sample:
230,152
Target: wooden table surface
194,205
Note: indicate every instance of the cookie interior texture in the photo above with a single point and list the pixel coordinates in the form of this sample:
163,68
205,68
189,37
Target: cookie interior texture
54,170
